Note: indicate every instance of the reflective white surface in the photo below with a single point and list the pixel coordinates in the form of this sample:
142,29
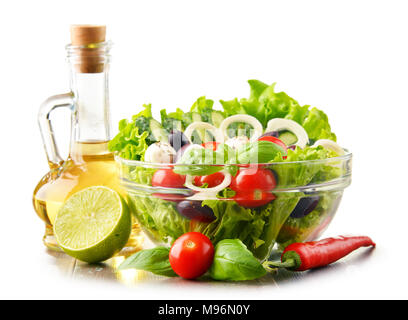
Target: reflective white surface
345,59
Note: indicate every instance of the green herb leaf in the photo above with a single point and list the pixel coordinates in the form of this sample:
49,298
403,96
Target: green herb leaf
234,262
154,260
197,162
259,152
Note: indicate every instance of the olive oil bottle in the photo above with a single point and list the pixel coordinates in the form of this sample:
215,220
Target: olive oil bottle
89,162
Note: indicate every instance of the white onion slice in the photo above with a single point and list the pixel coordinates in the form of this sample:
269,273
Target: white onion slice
199,124
258,128
207,193
279,124
237,142
331,145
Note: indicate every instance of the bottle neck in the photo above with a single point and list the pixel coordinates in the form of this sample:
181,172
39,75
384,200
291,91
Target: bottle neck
91,99
90,88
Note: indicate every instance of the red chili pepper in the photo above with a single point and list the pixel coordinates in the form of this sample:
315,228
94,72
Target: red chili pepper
314,254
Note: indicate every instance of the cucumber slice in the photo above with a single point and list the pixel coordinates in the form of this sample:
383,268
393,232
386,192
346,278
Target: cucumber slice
157,131
288,137
216,118
202,133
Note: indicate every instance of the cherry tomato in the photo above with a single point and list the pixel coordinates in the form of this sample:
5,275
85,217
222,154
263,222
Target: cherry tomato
213,145
274,140
191,255
211,180
168,179
253,188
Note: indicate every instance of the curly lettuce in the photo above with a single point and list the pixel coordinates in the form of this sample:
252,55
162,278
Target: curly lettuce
204,107
173,120
291,173
180,119
129,143
266,104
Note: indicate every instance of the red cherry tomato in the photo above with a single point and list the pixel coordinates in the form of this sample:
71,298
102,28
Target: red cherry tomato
253,187
191,255
168,179
211,180
213,145
274,140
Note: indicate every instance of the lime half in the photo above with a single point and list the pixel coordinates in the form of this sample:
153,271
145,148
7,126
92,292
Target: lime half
93,224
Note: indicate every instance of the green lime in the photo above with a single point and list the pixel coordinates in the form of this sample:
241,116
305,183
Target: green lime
93,224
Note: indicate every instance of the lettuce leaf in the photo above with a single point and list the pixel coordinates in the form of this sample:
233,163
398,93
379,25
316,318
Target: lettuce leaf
317,126
158,217
232,107
180,119
204,107
134,136
266,104
276,213
128,143
173,120
146,112
142,120
235,222
295,174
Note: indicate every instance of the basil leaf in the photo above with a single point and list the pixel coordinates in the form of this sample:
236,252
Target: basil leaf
154,260
197,162
259,152
234,262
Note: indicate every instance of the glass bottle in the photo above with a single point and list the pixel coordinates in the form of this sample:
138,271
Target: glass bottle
89,162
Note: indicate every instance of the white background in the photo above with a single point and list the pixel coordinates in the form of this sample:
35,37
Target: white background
348,58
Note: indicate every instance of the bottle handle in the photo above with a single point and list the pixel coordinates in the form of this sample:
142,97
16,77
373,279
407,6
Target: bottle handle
47,133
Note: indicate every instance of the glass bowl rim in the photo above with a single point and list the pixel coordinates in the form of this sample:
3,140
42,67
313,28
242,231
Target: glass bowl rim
347,156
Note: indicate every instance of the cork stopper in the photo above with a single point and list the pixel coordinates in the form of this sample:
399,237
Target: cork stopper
91,58
84,34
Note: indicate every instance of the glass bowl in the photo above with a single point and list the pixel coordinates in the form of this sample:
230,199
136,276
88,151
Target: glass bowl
302,205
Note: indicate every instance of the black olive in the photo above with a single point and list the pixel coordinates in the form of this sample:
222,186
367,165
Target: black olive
193,210
270,134
177,139
305,206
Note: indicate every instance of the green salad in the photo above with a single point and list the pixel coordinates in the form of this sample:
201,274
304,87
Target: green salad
246,171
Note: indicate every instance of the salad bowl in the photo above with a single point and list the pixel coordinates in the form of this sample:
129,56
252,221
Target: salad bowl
267,205
264,170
